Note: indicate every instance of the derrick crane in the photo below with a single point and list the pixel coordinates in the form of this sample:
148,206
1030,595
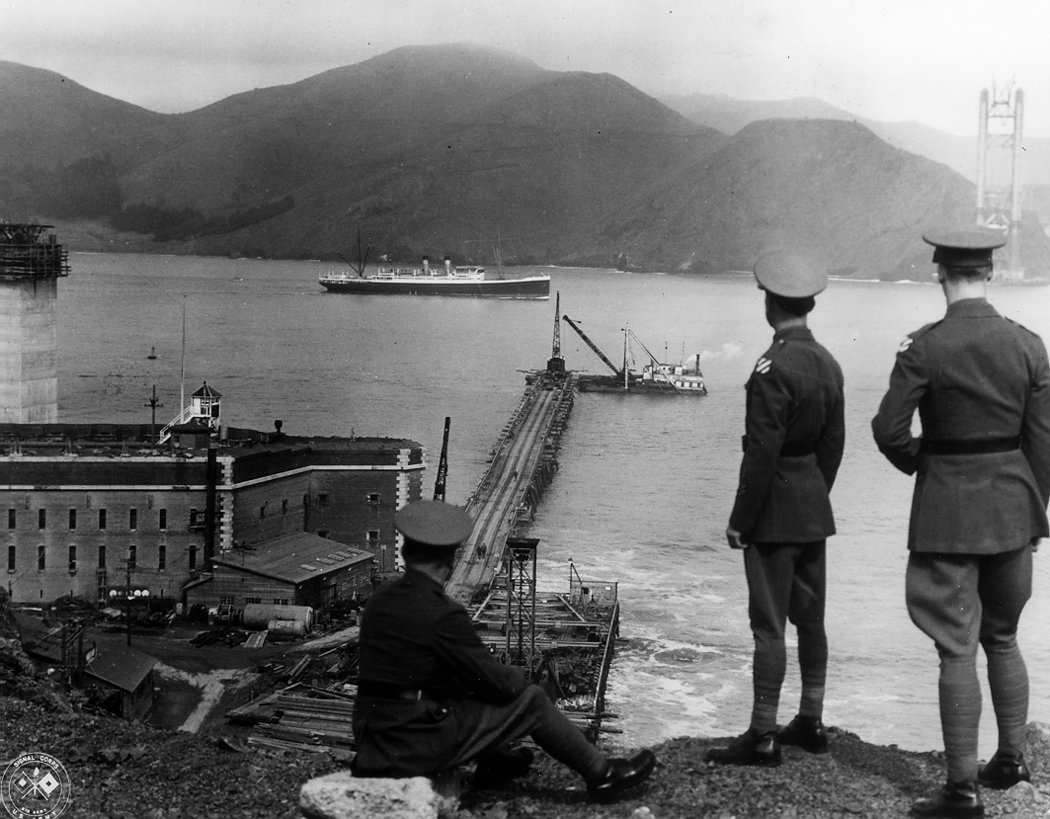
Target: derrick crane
594,347
442,470
556,364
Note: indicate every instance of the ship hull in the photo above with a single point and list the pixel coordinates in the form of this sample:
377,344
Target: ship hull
602,383
533,287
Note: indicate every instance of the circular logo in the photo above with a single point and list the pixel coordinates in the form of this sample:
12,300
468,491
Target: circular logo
35,786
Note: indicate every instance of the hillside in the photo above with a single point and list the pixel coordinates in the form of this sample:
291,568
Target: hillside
828,186
441,149
957,152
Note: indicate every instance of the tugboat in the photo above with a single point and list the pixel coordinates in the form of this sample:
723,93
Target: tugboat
664,379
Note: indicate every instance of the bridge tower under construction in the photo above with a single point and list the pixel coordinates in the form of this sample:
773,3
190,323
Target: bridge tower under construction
31,263
999,151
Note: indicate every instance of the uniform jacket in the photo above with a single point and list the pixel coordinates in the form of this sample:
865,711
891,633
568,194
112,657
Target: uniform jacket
795,432
413,635
973,375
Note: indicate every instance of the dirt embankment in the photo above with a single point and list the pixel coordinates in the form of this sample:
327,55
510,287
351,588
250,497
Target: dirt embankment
121,770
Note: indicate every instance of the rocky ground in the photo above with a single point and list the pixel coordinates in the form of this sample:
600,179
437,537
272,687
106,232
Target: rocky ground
128,771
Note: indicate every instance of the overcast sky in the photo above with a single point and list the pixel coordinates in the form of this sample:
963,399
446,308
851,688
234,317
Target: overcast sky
891,60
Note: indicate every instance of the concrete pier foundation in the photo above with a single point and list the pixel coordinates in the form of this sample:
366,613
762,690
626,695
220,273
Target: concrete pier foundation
28,351
30,265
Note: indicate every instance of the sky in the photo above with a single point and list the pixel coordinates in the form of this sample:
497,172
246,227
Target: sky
889,60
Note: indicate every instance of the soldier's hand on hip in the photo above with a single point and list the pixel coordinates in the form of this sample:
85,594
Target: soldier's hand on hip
1035,544
735,538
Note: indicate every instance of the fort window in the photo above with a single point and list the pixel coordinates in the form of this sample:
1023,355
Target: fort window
72,559
262,511
41,558
42,519
284,507
163,523
322,498
373,499
133,519
373,537
193,558
252,599
133,554
101,518
162,557
193,517
10,558
102,557
322,533
11,518
72,518
280,601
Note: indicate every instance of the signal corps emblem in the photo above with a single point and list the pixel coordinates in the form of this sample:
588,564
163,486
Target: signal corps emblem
35,786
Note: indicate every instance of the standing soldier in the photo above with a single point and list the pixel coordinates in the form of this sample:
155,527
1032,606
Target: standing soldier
981,385
782,515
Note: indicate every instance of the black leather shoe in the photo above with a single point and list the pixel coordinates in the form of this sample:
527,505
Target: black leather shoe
621,775
957,800
498,767
750,748
808,733
1003,773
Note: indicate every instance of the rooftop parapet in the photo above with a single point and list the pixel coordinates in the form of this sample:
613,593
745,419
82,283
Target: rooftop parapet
25,253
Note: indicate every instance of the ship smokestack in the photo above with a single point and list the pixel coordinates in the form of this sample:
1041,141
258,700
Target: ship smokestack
426,266
698,364
448,266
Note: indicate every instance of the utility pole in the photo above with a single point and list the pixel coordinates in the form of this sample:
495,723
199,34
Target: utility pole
127,597
153,403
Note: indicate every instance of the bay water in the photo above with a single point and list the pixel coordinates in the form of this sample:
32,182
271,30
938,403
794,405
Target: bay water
645,483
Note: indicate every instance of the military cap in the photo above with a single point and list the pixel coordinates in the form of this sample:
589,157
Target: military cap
969,246
434,523
790,275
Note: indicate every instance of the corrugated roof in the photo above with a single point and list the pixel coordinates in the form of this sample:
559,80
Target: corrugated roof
295,558
121,666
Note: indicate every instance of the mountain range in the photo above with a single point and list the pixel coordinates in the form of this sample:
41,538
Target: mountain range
461,149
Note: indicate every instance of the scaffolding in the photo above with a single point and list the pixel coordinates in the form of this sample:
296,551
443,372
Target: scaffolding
999,147
25,254
520,556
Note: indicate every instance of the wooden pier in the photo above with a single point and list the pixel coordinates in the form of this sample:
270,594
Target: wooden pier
523,464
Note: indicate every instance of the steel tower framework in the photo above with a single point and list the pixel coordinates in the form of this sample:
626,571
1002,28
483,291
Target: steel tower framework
521,602
1000,142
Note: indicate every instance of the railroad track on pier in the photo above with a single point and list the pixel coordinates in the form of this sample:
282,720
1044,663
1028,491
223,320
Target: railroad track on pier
495,504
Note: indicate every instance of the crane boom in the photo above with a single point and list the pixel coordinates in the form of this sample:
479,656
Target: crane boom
616,370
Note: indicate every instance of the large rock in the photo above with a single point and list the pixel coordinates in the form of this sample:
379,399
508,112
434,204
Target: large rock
1038,752
344,796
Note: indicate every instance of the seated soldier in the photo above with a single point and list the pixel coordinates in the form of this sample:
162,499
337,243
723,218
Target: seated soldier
431,696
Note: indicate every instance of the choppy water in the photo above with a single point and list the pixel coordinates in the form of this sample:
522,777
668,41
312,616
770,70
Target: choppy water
646,483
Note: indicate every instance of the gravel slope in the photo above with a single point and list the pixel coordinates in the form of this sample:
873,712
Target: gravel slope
126,771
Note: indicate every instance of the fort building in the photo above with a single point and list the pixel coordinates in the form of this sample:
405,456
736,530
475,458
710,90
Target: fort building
93,508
